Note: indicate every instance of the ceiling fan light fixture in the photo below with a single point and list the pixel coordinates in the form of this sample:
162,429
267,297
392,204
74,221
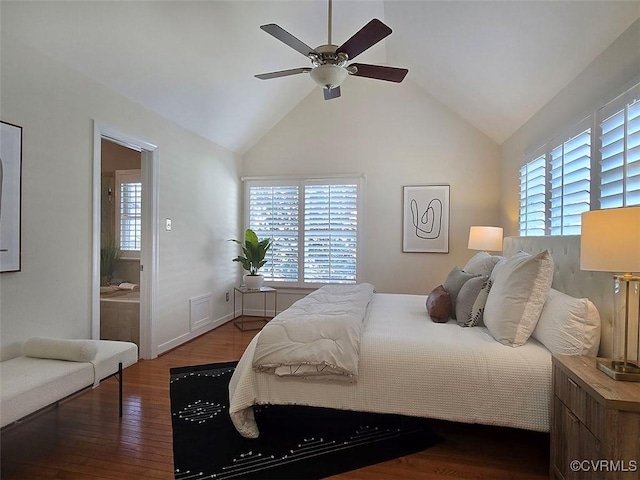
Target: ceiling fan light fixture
328,76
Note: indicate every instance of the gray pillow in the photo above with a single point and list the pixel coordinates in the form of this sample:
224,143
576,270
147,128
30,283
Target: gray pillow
482,263
467,298
454,282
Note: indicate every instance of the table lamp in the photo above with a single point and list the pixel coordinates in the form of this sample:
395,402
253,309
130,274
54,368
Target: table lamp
485,238
610,242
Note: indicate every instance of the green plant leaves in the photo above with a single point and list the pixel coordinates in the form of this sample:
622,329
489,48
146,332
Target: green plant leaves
254,251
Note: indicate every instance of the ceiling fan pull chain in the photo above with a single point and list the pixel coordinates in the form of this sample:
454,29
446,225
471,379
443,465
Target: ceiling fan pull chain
329,22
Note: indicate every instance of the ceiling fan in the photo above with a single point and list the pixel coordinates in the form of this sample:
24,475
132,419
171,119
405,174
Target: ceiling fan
330,61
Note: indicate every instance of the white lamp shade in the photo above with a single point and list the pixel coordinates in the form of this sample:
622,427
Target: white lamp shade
485,238
610,240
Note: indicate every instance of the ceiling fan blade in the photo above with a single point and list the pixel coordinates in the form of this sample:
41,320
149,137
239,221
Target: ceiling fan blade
379,72
331,93
285,37
283,73
365,38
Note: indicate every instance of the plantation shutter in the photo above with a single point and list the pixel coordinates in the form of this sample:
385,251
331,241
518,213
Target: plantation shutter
273,213
570,178
330,232
129,205
532,197
619,123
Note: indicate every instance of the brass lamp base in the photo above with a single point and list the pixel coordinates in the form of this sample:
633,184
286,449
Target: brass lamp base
618,370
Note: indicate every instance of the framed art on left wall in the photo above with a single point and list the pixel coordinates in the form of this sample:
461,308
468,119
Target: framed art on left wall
10,196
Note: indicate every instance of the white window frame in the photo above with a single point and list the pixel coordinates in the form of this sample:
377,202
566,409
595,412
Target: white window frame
560,142
615,106
124,176
546,149
529,158
301,181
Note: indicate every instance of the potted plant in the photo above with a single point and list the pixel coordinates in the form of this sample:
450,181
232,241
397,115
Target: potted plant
254,251
109,256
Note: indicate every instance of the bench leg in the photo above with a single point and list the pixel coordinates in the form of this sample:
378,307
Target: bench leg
120,380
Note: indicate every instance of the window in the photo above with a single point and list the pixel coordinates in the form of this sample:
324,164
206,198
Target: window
314,224
570,182
129,212
533,197
555,187
555,208
619,124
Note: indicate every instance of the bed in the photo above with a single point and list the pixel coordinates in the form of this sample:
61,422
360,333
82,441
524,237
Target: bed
413,366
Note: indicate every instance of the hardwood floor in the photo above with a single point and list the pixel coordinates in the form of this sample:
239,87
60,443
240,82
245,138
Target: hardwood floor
83,438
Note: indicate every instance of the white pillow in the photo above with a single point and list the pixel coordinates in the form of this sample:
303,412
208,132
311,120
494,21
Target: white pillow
568,325
519,290
482,263
60,349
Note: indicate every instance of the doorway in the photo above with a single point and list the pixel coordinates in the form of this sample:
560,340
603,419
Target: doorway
125,206
120,241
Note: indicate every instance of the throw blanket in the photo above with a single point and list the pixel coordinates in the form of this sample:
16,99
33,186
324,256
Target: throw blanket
318,336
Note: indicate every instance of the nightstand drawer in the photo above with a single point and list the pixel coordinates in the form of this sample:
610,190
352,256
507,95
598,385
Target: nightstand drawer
579,402
572,442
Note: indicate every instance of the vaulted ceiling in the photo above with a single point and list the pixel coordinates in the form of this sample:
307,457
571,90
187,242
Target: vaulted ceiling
495,63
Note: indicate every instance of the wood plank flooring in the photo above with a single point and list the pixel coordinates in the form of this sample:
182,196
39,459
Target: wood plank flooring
83,438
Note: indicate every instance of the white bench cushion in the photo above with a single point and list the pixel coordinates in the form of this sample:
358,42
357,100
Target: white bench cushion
28,384
110,353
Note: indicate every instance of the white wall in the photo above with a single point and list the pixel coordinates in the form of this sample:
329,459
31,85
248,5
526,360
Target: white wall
606,77
199,190
397,135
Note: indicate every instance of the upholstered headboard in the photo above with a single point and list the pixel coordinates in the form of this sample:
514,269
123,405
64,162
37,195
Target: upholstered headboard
568,278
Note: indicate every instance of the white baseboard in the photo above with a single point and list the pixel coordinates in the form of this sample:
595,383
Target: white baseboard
176,342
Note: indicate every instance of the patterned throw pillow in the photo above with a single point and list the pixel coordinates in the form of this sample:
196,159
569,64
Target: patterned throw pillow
467,298
477,311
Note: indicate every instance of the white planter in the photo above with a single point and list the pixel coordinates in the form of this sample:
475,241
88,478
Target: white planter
253,282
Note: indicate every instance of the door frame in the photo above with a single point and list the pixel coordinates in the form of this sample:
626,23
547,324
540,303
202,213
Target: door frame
149,253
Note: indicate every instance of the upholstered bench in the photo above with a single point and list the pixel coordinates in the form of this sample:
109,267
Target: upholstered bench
52,369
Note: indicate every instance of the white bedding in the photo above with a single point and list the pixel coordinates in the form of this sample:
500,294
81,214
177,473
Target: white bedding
412,366
319,335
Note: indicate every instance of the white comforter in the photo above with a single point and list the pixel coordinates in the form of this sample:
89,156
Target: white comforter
412,366
318,336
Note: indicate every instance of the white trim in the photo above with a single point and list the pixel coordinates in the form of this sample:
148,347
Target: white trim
149,258
304,177
176,342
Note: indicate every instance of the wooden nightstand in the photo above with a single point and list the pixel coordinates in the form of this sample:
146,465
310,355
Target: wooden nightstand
595,421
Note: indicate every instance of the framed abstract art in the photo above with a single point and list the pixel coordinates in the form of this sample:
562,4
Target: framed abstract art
425,221
10,196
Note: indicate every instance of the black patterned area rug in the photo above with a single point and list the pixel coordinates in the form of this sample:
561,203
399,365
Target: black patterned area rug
295,442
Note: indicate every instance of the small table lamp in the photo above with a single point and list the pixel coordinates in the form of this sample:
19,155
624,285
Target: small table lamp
485,238
610,242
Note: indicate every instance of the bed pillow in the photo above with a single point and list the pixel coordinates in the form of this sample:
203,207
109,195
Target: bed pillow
477,310
519,290
467,298
482,263
60,349
568,325
439,305
454,282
